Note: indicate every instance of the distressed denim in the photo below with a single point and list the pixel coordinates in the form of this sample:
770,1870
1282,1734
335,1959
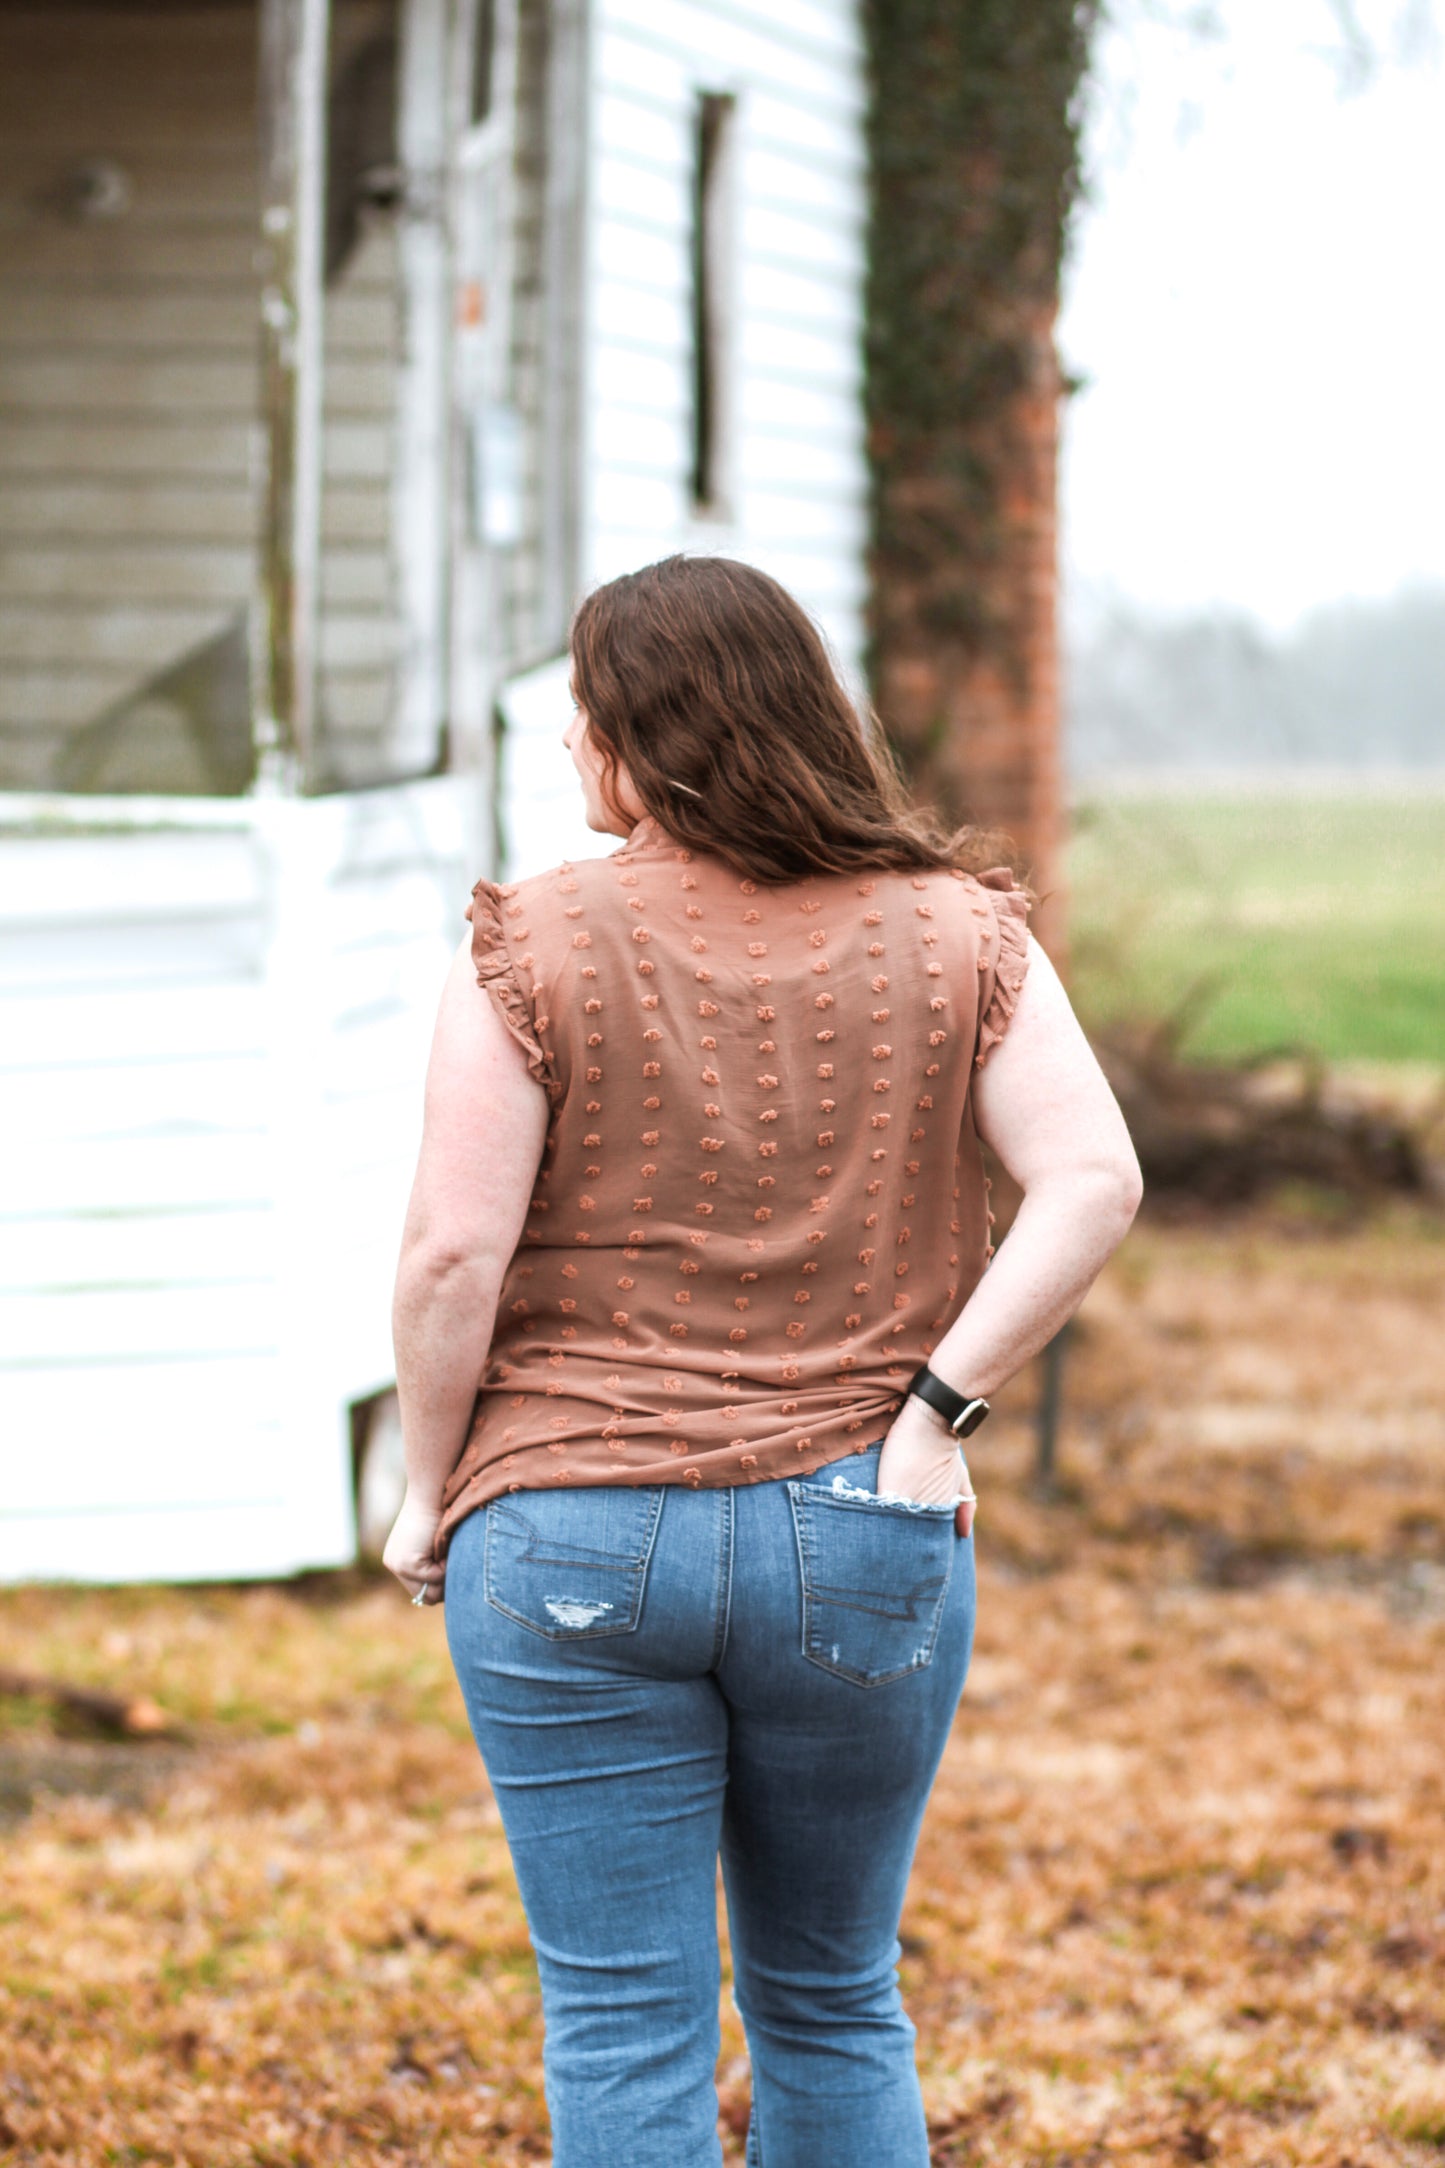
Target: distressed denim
658,1677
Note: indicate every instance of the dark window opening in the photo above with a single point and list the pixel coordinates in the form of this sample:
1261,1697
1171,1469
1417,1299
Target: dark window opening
711,223
483,50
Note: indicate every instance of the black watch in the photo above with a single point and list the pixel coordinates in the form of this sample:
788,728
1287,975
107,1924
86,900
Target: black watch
963,1412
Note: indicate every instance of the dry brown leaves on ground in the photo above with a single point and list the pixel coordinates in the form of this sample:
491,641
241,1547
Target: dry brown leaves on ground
1181,1892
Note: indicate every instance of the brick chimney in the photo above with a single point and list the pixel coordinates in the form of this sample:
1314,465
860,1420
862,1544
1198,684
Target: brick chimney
972,135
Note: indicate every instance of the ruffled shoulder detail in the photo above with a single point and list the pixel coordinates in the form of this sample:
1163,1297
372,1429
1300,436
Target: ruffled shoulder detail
496,974
1001,989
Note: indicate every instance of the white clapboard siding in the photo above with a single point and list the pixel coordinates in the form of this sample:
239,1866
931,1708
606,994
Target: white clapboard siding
129,1174
148,1247
758,46
639,315
803,516
218,1412
138,1324
214,1023
771,408
649,132
635,503
797,293
797,485
635,251
106,1023
624,188
190,870
802,181
380,970
648,440
799,353
389,910
808,242
620,374
137,1244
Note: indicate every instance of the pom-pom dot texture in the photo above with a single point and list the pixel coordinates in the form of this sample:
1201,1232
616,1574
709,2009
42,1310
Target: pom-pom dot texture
761,1199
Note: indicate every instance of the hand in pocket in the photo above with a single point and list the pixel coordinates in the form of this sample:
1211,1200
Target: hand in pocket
920,1459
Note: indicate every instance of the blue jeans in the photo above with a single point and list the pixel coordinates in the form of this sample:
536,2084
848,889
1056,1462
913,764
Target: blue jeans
656,1676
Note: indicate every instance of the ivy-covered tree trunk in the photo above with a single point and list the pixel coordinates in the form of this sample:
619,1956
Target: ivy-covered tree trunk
973,137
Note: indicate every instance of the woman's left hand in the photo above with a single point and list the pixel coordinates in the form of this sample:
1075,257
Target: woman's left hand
408,1552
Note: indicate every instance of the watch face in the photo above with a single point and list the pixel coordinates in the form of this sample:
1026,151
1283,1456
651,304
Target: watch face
970,1419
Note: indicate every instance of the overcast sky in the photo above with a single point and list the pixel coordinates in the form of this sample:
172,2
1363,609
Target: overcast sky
1257,298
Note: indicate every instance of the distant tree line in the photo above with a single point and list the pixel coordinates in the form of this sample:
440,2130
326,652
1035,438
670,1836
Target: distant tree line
1356,685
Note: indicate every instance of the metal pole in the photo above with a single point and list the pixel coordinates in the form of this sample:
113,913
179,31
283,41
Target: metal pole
1051,1388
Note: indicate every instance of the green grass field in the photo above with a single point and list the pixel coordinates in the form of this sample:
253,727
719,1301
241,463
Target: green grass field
1272,921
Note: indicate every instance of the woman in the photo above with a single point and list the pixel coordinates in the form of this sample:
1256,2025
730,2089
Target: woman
700,1205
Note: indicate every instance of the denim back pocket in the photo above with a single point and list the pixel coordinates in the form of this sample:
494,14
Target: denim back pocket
571,1564
875,1574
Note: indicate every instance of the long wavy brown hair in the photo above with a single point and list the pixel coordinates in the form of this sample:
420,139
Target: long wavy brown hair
714,689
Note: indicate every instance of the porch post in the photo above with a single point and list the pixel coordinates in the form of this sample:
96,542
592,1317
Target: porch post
294,35
419,487
564,262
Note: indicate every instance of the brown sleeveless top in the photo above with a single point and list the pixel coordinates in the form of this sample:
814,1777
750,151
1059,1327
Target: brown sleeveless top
761,1199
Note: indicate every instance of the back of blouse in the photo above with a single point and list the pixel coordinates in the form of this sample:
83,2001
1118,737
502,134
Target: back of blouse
761,1199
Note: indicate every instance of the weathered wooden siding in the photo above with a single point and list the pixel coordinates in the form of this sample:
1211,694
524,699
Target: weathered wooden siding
357,628
540,572
798,484
357,635
127,357
128,398
213,1031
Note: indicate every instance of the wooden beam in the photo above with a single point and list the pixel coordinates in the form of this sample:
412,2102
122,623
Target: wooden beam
294,36
564,248
419,482
483,95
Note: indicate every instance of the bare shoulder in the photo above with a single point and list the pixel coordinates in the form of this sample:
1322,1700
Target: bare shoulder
1041,1101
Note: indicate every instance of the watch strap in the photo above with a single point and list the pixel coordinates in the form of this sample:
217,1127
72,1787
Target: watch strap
963,1412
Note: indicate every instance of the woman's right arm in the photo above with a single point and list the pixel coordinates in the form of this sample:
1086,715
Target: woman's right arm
1043,1106
482,1138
